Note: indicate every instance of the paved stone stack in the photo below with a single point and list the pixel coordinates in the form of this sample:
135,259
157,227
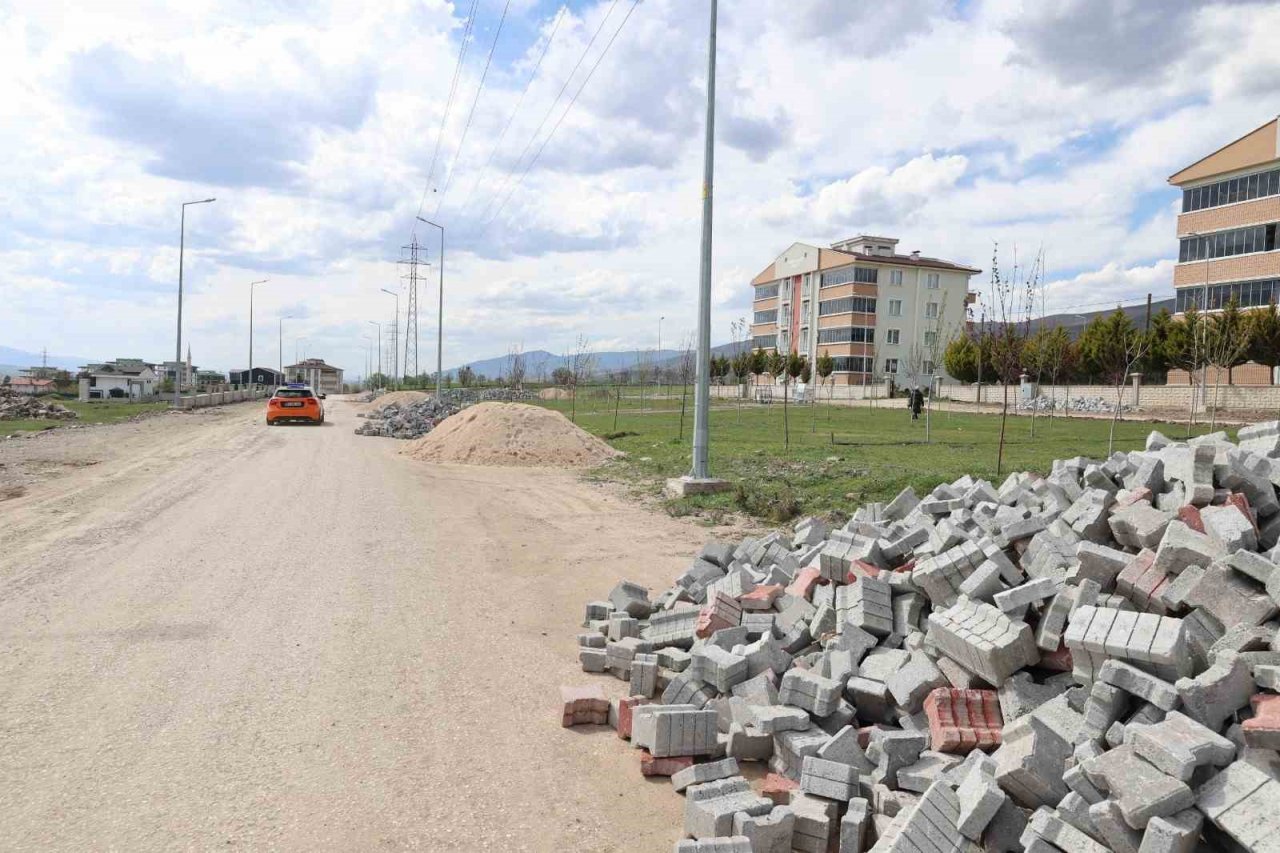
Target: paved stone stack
14,407
1087,660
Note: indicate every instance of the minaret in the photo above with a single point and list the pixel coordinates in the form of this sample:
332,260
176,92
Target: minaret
190,375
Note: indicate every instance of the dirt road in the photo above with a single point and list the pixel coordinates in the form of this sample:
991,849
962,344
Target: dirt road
215,634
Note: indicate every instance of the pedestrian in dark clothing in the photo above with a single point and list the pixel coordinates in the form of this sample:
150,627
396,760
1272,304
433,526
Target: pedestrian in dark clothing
917,403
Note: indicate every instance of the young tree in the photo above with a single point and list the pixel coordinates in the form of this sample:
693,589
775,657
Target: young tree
582,364
1183,349
1114,349
1228,344
1013,300
795,365
826,366
466,376
515,356
1264,338
1155,367
1058,356
559,376
686,367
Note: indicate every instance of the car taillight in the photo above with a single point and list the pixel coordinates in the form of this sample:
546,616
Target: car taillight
273,402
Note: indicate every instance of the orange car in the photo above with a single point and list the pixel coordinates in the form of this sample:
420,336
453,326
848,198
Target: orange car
295,403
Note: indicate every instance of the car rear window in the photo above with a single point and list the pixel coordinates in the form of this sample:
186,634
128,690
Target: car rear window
293,392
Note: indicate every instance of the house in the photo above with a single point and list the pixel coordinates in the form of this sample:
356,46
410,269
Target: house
30,387
877,313
124,378
210,380
258,376
317,374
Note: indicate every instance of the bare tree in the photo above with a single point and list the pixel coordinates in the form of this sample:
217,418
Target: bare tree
516,362
581,364
642,371
1013,300
685,368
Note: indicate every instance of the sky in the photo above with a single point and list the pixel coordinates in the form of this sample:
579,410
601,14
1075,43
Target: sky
324,128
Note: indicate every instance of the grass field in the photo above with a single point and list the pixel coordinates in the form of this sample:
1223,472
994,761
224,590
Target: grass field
98,412
839,457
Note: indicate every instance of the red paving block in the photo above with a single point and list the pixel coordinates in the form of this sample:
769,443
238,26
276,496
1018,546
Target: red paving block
1141,583
584,706
805,580
862,569
778,788
1190,516
1241,502
626,708
721,612
650,766
1136,496
1263,729
761,598
963,720
1058,661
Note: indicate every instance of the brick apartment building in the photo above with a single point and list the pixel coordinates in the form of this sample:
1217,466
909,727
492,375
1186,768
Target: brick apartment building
879,314
1227,228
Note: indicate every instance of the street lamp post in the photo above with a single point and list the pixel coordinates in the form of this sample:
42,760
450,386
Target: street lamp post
252,285
177,358
439,312
395,334
280,343
702,394
379,325
659,364
368,361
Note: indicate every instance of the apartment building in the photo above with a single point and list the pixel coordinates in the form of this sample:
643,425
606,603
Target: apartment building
1227,242
879,314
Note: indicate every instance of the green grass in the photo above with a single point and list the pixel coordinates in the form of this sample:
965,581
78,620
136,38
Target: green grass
848,456
96,412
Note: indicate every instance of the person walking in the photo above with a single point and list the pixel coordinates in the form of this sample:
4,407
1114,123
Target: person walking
917,403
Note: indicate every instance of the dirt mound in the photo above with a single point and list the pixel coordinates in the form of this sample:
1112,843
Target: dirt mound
404,398
555,394
511,434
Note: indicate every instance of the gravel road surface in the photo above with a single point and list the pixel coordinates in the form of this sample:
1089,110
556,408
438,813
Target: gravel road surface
215,634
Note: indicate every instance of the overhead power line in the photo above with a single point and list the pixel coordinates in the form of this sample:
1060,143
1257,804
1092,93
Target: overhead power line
550,110
457,155
533,75
448,106
563,115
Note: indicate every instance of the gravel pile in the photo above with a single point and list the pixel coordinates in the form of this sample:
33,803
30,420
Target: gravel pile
405,420
511,434
1083,662
15,407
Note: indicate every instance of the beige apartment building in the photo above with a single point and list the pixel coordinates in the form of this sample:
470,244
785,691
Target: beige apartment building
1227,229
879,314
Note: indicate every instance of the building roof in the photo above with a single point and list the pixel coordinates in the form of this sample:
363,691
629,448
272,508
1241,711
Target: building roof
1258,146
27,380
832,258
312,364
119,367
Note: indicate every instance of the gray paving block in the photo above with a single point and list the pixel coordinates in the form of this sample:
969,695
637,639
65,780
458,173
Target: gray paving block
769,833
1218,692
1140,789
1179,745
700,774
1244,802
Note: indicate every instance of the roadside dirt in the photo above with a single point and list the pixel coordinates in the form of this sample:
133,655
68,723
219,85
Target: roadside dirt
222,635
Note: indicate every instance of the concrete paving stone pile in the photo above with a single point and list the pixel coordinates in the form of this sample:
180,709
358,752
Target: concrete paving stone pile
17,407
414,420
1081,662
1092,405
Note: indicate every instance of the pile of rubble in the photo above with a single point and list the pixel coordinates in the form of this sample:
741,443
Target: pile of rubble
414,420
1091,405
1082,662
15,407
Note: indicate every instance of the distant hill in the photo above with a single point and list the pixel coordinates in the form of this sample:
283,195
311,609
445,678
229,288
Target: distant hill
12,360
539,363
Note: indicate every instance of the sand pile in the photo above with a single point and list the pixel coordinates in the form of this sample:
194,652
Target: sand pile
404,398
555,394
511,434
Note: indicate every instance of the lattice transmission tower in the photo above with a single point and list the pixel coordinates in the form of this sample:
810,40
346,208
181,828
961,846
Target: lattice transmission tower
411,257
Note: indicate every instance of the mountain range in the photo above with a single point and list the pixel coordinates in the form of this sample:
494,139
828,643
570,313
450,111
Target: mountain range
539,364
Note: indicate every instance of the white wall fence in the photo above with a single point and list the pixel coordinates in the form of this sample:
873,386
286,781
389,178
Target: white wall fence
219,398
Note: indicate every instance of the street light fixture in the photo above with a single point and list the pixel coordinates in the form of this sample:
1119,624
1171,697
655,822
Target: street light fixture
439,312
252,285
177,359
395,335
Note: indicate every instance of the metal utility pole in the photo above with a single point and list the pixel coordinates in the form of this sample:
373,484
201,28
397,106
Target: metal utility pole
702,393
395,336
252,285
439,314
368,361
177,357
379,325
410,257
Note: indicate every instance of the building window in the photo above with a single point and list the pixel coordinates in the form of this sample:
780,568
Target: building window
807,277
890,365
930,338
1232,190
928,368
847,335
895,307
844,305
895,276
844,275
767,291
1224,244
1248,294
931,311
893,336
770,316
764,341
931,281
852,364
804,313
804,340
